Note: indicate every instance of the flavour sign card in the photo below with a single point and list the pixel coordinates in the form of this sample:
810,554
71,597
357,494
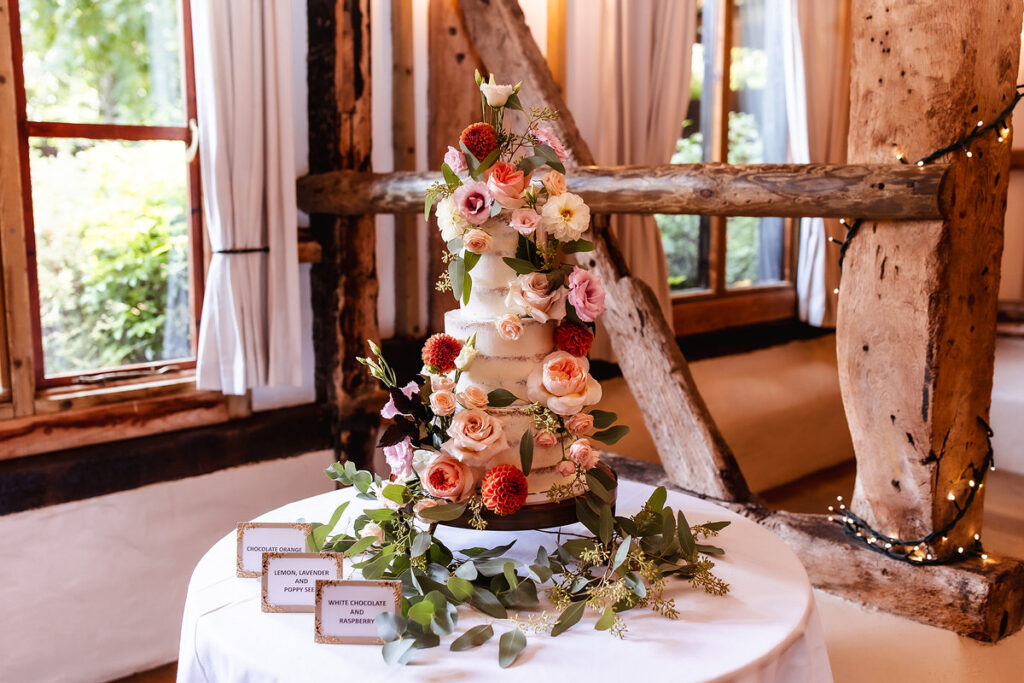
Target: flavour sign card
289,579
346,611
256,538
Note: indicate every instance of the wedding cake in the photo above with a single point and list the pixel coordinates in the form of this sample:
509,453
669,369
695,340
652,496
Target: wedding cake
502,414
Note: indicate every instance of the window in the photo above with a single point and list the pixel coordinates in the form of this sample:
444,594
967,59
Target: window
102,252
107,102
742,266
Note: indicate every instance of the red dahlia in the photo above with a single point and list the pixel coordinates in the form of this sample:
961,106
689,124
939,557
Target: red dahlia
440,352
573,338
504,489
480,139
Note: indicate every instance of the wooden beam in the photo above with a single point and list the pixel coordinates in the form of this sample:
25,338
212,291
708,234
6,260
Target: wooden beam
988,604
917,306
345,280
17,311
452,104
721,100
836,191
688,441
697,313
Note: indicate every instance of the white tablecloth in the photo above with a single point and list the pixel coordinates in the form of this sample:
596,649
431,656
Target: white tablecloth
766,629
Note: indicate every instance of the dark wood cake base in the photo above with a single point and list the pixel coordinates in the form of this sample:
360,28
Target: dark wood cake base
542,516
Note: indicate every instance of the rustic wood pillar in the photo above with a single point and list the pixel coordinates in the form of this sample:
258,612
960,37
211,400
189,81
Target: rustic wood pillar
688,441
452,104
345,281
917,304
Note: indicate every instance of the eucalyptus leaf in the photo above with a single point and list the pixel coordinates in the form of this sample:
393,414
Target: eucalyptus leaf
531,163
611,435
380,514
606,479
526,451
457,276
389,626
549,156
524,595
509,569
485,164
569,618
485,601
471,161
577,246
492,566
428,202
621,553
635,584
359,546
588,518
499,398
597,488
607,525
471,258
510,644
577,546
474,637
376,567
541,572
467,571
487,553
461,588
362,481
396,493
449,176
715,526
657,500
709,549
467,284
513,102
686,540
520,266
455,245
603,418
421,544
607,619
398,651
443,513
422,612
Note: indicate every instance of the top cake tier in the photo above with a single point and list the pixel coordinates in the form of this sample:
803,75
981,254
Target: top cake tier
491,276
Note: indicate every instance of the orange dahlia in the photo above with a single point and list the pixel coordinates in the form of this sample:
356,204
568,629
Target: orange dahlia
504,489
573,338
480,139
440,352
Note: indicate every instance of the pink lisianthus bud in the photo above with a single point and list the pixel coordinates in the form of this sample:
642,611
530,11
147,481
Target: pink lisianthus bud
456,160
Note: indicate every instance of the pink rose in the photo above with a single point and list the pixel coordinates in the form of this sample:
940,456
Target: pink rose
477,241
586,294
507,184
580,424
509,327
476,437
563,384
583,455
525,221
399,459
546,136
441,383
389,411
473,397
545,439
529,295
554,182
566,468
442,403
448,478
455,159
474,201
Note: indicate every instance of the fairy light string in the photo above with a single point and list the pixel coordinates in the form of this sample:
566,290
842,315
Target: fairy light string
918,551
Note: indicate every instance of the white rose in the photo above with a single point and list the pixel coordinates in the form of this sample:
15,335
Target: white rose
529,295
373,530
465,357
497,95
450,220
566,217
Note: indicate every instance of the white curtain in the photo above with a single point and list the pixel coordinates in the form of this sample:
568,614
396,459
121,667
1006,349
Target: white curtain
250,331
628,85
817,55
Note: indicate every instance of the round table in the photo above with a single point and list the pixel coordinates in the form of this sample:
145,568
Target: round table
766,629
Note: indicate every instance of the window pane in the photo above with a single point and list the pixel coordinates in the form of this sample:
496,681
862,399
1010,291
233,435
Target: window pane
758,134
106,61
685,238
111,250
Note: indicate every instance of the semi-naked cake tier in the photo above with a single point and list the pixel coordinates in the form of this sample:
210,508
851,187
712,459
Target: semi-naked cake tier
504,363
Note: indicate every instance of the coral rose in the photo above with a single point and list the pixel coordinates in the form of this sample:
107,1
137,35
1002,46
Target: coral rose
442,403
474,200
473,397
447,477
525,221
504,489
509,327
563,384
580,424
565,216
545,439
389,411
583,455
529,295
456,160
477,241
586,294
476,437
399,459
507,184
566,468
554,182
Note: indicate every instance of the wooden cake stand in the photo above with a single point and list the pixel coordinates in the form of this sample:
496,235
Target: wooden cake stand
543,516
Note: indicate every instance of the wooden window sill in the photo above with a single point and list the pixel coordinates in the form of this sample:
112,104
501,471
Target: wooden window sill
706,312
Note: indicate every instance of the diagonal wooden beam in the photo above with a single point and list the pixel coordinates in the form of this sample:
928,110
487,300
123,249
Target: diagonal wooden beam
689,443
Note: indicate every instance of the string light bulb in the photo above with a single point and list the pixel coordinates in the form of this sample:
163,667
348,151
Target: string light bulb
971,483
980,124
977,537
960,550
920,163
984,556
951,496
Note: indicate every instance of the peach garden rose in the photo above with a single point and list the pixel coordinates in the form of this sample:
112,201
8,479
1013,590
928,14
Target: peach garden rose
476,437
448,478
477,241
507,184
509,327
563,384
473,397
554,183
529,295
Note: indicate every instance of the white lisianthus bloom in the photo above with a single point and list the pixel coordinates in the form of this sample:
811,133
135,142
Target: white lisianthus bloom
497,95
450,220
465,357
566,217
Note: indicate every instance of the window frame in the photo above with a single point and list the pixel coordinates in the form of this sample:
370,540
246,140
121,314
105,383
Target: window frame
695,311
111,131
